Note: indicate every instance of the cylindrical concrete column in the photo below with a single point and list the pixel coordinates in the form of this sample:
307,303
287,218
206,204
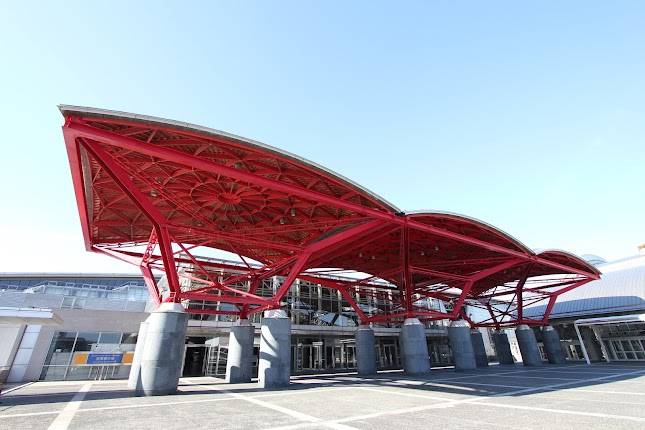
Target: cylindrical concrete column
414,348
462,347
274,368
552,346
134,379
477,339
528,346
239,361
163,350
502,347
365,353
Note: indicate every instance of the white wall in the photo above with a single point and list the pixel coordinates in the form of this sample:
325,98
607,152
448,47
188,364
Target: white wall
10,336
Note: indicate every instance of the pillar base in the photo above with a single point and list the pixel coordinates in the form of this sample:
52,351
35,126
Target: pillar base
528,346
239,362
416,360
163,350
274,367
134,379
462,347
365,354
552,346
477,339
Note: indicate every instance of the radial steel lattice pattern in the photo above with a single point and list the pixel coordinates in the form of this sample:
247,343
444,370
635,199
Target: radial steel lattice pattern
161,195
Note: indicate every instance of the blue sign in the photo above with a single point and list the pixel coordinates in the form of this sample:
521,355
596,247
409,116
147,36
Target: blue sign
101,358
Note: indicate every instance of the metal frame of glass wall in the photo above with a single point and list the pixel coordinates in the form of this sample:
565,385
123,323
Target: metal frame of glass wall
59,363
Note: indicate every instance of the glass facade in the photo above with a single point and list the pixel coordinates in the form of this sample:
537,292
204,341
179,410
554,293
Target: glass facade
89,355
312,304
21,283
328,354
118,293
624,342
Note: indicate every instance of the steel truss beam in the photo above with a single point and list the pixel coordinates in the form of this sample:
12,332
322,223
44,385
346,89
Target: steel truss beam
348,227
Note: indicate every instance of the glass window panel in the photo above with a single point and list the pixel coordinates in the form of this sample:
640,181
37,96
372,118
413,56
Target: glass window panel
129,338
121,372
68,302
78,372
53,373
110,337
86,341
61,348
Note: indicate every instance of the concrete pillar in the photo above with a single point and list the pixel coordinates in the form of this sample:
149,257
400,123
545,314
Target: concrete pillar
164,349
528,346
477,339
502,347
365,353
552,346
134,379
274,368
462,347
239,362
414,348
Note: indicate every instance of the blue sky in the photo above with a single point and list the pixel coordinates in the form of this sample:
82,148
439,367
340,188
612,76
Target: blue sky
529,116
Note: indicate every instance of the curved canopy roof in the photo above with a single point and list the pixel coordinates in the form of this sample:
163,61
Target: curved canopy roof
145,183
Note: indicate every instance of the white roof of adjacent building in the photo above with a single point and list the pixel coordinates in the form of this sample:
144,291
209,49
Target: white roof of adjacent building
619,319
620,289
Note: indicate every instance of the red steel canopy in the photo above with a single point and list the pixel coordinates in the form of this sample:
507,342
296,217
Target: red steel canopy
162,194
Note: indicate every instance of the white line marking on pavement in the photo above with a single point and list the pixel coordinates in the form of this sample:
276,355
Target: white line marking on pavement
564,384
400,393
294,414
5,392
622,393
475,400
592,372
149,405
562,411
61,422
482,384
543,377
107,408
562,395
508,372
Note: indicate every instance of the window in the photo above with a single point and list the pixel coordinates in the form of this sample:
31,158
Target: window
67,356
110,337
86,341
61,348
129,338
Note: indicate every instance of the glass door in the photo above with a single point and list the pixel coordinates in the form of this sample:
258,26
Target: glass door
350,356
388,355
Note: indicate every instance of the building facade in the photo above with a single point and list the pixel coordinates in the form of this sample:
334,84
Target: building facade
90,334
605,320
98,317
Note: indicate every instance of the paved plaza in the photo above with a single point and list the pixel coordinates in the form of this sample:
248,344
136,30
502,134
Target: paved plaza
500,397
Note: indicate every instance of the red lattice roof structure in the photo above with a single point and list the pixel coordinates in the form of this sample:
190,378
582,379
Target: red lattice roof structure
162,194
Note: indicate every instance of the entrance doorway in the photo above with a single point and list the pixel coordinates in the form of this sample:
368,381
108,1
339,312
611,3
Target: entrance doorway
194,360
318,354
388,354
308,358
